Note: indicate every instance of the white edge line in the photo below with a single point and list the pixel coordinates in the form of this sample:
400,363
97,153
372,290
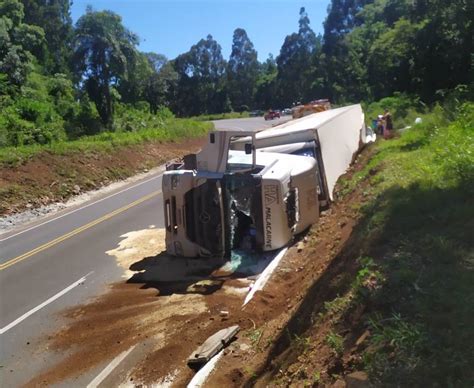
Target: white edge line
200,377
109,368
45,303
79,208
264,276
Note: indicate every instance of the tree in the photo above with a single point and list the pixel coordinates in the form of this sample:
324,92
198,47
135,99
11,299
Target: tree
200,85
342,18
18,42
266,84
104,54
373,48
53,16
391,59
294,62
161,83
242,70
133,87
444,45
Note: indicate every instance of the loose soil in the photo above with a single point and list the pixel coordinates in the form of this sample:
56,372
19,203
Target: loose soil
48,178
176,304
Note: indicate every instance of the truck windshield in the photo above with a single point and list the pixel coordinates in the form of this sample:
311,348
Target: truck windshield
204,216
239,161
243,211
236,207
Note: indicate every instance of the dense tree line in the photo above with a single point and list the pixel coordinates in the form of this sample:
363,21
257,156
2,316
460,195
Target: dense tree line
59,80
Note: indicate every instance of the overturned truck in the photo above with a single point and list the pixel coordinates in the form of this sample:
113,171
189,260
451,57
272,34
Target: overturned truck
250,191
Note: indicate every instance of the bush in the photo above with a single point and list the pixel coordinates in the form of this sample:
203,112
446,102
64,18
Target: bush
452,98
86,122
30,122
454,145
33,110
404,109
143,106
165,113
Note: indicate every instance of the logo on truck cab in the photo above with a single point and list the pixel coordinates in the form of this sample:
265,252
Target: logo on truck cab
268,227
271,194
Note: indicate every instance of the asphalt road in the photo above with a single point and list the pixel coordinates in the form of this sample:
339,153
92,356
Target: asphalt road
60,261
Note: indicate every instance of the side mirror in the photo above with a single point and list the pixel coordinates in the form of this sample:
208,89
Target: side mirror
248,148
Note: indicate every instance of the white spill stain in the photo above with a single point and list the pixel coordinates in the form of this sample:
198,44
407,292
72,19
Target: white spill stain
136,246
239,291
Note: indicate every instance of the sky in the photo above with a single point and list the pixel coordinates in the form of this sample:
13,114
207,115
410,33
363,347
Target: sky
172,27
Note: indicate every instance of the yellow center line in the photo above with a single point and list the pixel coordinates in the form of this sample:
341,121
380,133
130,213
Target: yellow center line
59,239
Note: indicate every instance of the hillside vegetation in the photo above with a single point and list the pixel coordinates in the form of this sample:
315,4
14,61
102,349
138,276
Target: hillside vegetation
61,82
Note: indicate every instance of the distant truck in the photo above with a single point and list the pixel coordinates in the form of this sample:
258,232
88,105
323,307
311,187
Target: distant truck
255,191
310,108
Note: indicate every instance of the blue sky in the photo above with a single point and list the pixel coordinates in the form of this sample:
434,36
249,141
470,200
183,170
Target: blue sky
172,27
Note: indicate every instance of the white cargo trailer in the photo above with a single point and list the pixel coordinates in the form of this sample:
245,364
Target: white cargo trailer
255,191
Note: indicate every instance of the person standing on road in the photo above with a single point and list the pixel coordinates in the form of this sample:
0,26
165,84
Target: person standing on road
388,125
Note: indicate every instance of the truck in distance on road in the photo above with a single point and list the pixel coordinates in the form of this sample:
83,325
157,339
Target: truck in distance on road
255,191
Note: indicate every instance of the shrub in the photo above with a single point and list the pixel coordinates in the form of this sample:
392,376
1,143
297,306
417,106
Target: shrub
86,122
164,113
404,109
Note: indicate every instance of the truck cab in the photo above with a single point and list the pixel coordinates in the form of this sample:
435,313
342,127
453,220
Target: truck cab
230,199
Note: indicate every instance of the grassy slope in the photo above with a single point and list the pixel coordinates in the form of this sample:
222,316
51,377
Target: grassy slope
41,174
166,130
418,232
221,116
398,300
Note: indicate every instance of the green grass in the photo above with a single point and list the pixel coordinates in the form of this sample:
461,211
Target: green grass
416,277
405,276
301,343
418,225
335,342
254,336
166,131
367,279
221,116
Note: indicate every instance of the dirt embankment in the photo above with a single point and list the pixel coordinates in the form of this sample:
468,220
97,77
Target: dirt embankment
169,306
47,178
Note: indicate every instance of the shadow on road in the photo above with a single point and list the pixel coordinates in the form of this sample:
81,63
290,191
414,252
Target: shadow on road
204,275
